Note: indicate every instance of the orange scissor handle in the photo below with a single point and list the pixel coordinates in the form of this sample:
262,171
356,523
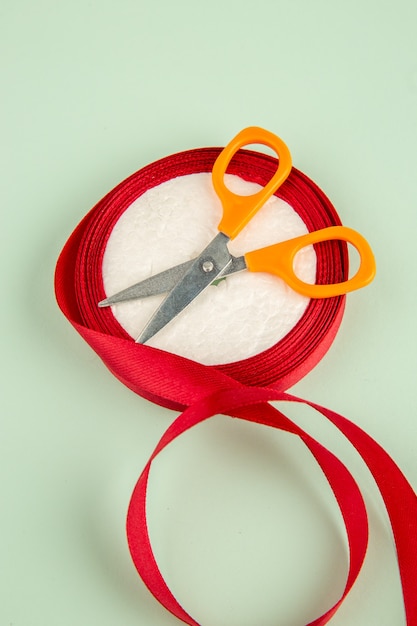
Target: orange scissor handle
239,210
278,259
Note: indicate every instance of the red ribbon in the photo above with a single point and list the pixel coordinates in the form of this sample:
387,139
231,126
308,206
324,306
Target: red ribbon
242,389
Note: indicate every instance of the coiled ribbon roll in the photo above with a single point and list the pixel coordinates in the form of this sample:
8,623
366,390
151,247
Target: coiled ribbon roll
240,389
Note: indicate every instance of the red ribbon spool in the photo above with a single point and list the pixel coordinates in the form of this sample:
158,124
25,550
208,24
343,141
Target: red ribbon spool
241,389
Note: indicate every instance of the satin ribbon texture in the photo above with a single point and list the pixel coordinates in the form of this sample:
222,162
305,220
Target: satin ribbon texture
242,389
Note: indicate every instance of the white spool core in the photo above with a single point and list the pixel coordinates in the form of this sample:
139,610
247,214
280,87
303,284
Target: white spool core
244,314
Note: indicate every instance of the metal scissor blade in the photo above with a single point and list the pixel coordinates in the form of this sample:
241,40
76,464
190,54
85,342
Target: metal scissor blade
164,282
152,286
211,264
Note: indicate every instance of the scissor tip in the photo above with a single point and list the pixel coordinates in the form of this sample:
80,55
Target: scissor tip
143,338
105,302
147,333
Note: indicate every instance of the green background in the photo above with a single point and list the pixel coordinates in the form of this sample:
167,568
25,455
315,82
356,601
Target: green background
243,524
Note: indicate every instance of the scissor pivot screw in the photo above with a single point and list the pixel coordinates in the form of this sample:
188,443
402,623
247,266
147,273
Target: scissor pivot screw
208,266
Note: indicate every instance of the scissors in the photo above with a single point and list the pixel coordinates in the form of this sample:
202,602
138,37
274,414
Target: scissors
184,282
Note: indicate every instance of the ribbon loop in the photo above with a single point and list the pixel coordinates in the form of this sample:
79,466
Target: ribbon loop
241,389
